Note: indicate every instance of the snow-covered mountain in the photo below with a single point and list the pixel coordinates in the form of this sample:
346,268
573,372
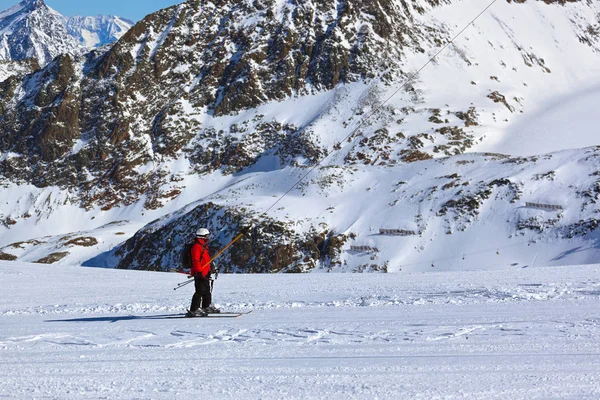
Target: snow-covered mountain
99,30
212,111
32,30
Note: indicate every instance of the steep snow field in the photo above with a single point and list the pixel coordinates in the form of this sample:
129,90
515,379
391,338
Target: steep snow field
565,122
71,332
534,54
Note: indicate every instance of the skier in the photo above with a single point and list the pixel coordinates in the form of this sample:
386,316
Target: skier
201,271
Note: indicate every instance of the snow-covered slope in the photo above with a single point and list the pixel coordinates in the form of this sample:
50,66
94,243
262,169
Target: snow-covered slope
176,111
99,30
464,212
563,122
521,334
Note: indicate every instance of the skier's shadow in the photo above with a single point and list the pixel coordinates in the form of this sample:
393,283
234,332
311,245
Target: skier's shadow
574,250
113,319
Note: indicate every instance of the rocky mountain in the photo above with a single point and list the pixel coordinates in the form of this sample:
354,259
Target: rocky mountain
99,30
212,110
143,96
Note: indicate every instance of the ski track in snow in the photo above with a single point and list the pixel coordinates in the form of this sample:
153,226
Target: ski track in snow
525,292
94,333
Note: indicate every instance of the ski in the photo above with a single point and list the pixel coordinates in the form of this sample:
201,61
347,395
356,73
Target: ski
232,315
234,312
226,314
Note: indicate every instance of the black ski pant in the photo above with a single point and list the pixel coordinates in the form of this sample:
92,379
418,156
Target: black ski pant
203,295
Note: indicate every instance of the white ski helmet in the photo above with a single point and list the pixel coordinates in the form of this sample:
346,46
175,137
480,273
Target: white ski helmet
202,233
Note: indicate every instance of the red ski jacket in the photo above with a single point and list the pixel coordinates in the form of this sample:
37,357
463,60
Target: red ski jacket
200,258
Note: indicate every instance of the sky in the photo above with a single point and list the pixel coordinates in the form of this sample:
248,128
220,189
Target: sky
134,10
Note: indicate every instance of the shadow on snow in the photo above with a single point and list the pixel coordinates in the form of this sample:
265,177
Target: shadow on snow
116,319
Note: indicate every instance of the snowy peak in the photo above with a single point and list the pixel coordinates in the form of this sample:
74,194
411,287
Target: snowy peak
34,4
28,6
21,11
33,30
99,30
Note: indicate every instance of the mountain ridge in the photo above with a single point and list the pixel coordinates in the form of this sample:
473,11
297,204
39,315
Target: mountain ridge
141,128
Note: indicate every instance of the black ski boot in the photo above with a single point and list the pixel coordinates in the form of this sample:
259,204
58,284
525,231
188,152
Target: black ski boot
211,309
198,313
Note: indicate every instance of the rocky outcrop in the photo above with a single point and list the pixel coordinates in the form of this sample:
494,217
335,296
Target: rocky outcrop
270,246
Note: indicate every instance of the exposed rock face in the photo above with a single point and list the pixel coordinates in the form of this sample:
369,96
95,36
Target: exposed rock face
270,246
51,126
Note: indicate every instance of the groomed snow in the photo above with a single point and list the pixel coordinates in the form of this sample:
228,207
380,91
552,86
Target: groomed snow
72,332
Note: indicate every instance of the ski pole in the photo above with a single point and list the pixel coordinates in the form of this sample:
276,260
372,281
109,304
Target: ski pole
182,284
235,239
185,282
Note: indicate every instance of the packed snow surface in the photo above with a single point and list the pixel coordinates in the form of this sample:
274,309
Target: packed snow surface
524,333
